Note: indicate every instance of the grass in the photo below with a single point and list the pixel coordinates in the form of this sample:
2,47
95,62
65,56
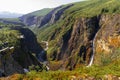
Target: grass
84,9
9,36
88,8
101,72
96,72
42,12
11,19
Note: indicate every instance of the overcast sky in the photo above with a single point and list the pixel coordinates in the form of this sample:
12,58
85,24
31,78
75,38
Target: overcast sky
26,6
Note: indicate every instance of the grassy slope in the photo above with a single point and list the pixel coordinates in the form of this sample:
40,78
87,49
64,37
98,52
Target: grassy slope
9,36
81,9
11,19
95,72
40,12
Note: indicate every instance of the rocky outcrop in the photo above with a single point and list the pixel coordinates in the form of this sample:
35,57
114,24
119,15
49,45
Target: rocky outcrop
8,65
22,54
34,18
54,15
50,18
76,43
81,34
28,20
89,40
108,40
28,46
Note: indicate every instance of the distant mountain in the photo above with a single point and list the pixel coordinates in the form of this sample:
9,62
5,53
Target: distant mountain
77,31
83,37
34,18
6,14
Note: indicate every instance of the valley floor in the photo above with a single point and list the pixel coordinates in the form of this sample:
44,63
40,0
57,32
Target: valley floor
108,72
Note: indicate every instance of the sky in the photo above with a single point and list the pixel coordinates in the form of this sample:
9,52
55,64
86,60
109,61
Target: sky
27,6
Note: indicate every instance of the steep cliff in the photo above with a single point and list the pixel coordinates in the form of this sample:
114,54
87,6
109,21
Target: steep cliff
73,37
107,42
34,18
16,53
54,15
78,33
44,17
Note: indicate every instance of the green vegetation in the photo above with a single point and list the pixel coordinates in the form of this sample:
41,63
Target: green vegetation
41,12
101,72
55,32
105,59
88,8
8,36
12,19
96,72
93,8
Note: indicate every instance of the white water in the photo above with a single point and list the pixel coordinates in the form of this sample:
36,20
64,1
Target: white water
7,48
93,48
92,57
26,70
4,49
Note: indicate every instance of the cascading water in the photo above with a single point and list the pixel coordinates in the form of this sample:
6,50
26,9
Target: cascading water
93,48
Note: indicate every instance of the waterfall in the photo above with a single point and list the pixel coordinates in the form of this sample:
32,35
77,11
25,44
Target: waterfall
93,48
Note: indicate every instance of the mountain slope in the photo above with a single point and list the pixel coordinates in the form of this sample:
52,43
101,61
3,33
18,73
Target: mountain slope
9,15
14,21
83,37
71,36
32,18
17,45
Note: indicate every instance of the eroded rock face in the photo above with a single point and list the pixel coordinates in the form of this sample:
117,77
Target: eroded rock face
28,46
8,65
15,59
108,39
50,18
76,45
53,16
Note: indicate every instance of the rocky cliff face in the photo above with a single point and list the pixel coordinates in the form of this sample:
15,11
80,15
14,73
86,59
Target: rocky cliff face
76,45
28,20
108,40
8,65
54,15
76,32
50,18
14,60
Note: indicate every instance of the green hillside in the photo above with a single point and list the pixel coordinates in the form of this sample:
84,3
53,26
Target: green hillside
60,31
82,41
81,9
9,36
40,12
